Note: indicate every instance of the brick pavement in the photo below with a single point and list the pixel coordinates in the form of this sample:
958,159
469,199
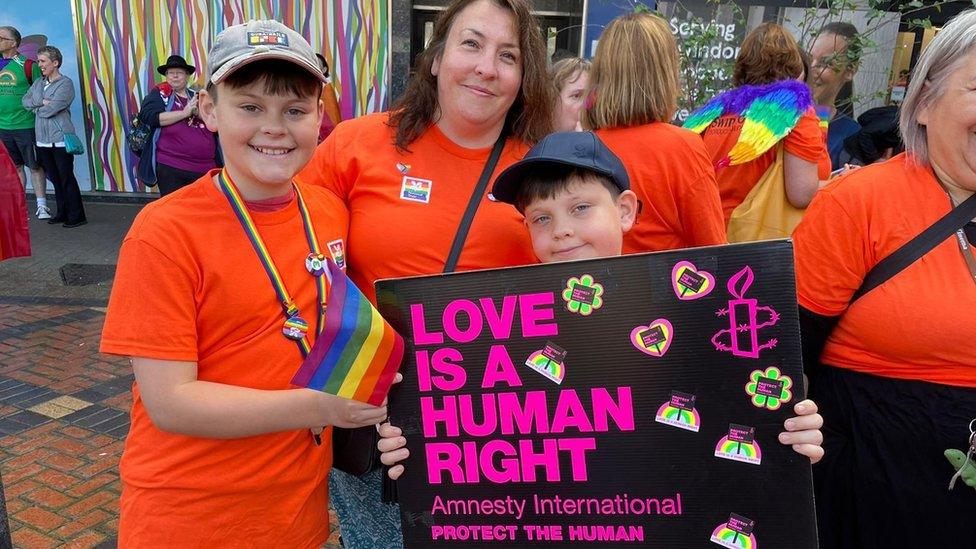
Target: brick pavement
63,406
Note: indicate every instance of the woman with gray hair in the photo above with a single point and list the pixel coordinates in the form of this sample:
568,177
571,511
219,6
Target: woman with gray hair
50,98
893,368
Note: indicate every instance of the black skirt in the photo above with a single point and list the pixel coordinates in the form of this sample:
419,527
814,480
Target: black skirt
884,481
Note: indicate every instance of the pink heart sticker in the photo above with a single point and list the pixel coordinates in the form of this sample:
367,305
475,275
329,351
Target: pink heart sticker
654,339
690,283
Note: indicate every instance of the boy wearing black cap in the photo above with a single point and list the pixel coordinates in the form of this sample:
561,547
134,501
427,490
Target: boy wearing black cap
575,196
217,296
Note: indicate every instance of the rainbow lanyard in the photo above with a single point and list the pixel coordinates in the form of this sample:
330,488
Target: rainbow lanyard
295,327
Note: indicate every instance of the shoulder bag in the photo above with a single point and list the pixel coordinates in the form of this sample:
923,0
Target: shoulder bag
72,144
766,212
354,450
922,244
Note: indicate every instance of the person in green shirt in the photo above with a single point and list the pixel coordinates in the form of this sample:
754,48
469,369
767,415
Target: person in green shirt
16,122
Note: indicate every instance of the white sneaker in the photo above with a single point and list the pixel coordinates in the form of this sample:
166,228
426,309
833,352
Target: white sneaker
43,212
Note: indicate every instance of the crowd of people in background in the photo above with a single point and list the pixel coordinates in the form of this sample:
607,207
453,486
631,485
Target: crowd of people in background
877,389
16,122
36,132
895,393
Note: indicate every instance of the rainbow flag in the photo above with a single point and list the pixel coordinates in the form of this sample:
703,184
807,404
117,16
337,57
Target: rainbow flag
358,353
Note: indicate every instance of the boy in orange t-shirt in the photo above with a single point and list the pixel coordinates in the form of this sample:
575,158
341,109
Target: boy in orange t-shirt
210,285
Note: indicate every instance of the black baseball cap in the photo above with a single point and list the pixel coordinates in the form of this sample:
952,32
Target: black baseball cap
562,149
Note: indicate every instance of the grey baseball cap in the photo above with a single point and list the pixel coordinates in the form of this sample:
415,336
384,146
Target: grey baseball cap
253,41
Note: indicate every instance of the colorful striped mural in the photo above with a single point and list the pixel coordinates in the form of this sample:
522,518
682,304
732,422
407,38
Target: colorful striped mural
123,41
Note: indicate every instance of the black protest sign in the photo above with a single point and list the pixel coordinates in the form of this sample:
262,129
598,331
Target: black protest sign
629,400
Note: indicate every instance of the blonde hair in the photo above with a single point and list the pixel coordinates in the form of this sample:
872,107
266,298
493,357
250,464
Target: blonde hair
562,72
943,56
635,73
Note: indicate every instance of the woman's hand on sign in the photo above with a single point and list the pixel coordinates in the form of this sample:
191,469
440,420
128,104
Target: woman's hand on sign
803,431
391,447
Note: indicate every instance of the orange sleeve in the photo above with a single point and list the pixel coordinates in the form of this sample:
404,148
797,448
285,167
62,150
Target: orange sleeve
322,170
152,311
830,256
806,141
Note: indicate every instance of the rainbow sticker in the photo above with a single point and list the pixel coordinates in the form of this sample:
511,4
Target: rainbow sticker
679,412
736,533
739,445
549,362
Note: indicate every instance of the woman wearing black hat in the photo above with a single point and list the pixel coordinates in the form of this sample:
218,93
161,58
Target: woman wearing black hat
182,149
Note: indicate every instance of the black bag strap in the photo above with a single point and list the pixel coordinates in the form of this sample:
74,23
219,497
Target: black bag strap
917,247
473,203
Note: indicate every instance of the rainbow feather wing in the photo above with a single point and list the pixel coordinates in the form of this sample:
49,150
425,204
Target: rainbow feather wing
823,114
767,120
703,117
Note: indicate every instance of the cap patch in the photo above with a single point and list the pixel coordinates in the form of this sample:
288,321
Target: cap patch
267,38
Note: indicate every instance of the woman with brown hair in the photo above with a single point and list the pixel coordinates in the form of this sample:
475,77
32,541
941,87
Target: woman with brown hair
769,109
409,175
635,85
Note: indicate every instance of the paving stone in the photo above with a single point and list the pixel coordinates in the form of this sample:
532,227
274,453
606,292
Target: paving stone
95,415
90,395
17,391
119,432
60,406
51,410
21,421
39,398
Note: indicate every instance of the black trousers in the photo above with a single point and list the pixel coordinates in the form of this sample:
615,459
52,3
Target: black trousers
59,166
883,481
172,179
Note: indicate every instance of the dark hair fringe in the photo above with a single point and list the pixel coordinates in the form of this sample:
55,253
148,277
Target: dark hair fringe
546,183
280,78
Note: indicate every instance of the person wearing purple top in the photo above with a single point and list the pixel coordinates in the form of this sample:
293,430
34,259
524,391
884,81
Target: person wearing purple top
182,148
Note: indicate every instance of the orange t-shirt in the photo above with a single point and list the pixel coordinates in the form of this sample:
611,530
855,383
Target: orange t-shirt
807,141
919,324
405,207
189,287
670,172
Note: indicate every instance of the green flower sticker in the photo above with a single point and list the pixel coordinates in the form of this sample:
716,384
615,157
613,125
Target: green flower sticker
769,389
582,295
